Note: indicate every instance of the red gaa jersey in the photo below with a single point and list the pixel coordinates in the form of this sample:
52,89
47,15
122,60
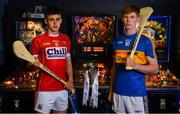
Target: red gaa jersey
51,52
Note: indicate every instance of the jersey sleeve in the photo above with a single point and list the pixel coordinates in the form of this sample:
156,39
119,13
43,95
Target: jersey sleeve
68,46
113,44
34,47
150,50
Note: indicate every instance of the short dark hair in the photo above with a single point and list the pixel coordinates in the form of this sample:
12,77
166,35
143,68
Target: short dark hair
130,9
52,10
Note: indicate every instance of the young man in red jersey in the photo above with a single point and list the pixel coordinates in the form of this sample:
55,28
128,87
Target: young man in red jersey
53,50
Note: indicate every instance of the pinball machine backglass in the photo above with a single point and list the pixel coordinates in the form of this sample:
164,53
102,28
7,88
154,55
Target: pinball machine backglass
92,36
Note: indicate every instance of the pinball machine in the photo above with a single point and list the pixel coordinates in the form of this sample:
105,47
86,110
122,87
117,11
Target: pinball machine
17,90
92,36
163,88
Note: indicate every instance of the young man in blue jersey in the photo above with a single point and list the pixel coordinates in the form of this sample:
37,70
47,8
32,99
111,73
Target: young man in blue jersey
128,90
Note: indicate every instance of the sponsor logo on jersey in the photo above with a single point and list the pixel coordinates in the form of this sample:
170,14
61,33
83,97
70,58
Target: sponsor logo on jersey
56,52
46,43
121,56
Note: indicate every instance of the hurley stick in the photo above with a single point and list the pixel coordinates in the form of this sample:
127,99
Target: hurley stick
144,15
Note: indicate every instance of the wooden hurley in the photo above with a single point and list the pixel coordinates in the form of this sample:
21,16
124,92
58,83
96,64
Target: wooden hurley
144,15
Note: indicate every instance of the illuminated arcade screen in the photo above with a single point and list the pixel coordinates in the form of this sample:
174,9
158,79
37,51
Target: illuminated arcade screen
93,29
158,28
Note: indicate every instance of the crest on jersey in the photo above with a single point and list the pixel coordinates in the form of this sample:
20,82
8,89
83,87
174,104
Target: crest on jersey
119,42
127,42
64,43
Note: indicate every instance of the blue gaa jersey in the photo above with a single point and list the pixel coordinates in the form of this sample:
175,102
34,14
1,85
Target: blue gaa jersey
131,82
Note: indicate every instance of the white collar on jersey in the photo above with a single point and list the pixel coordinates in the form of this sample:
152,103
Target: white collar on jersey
53,34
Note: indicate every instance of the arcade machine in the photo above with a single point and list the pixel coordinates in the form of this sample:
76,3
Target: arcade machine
92,36
17,90
163,89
